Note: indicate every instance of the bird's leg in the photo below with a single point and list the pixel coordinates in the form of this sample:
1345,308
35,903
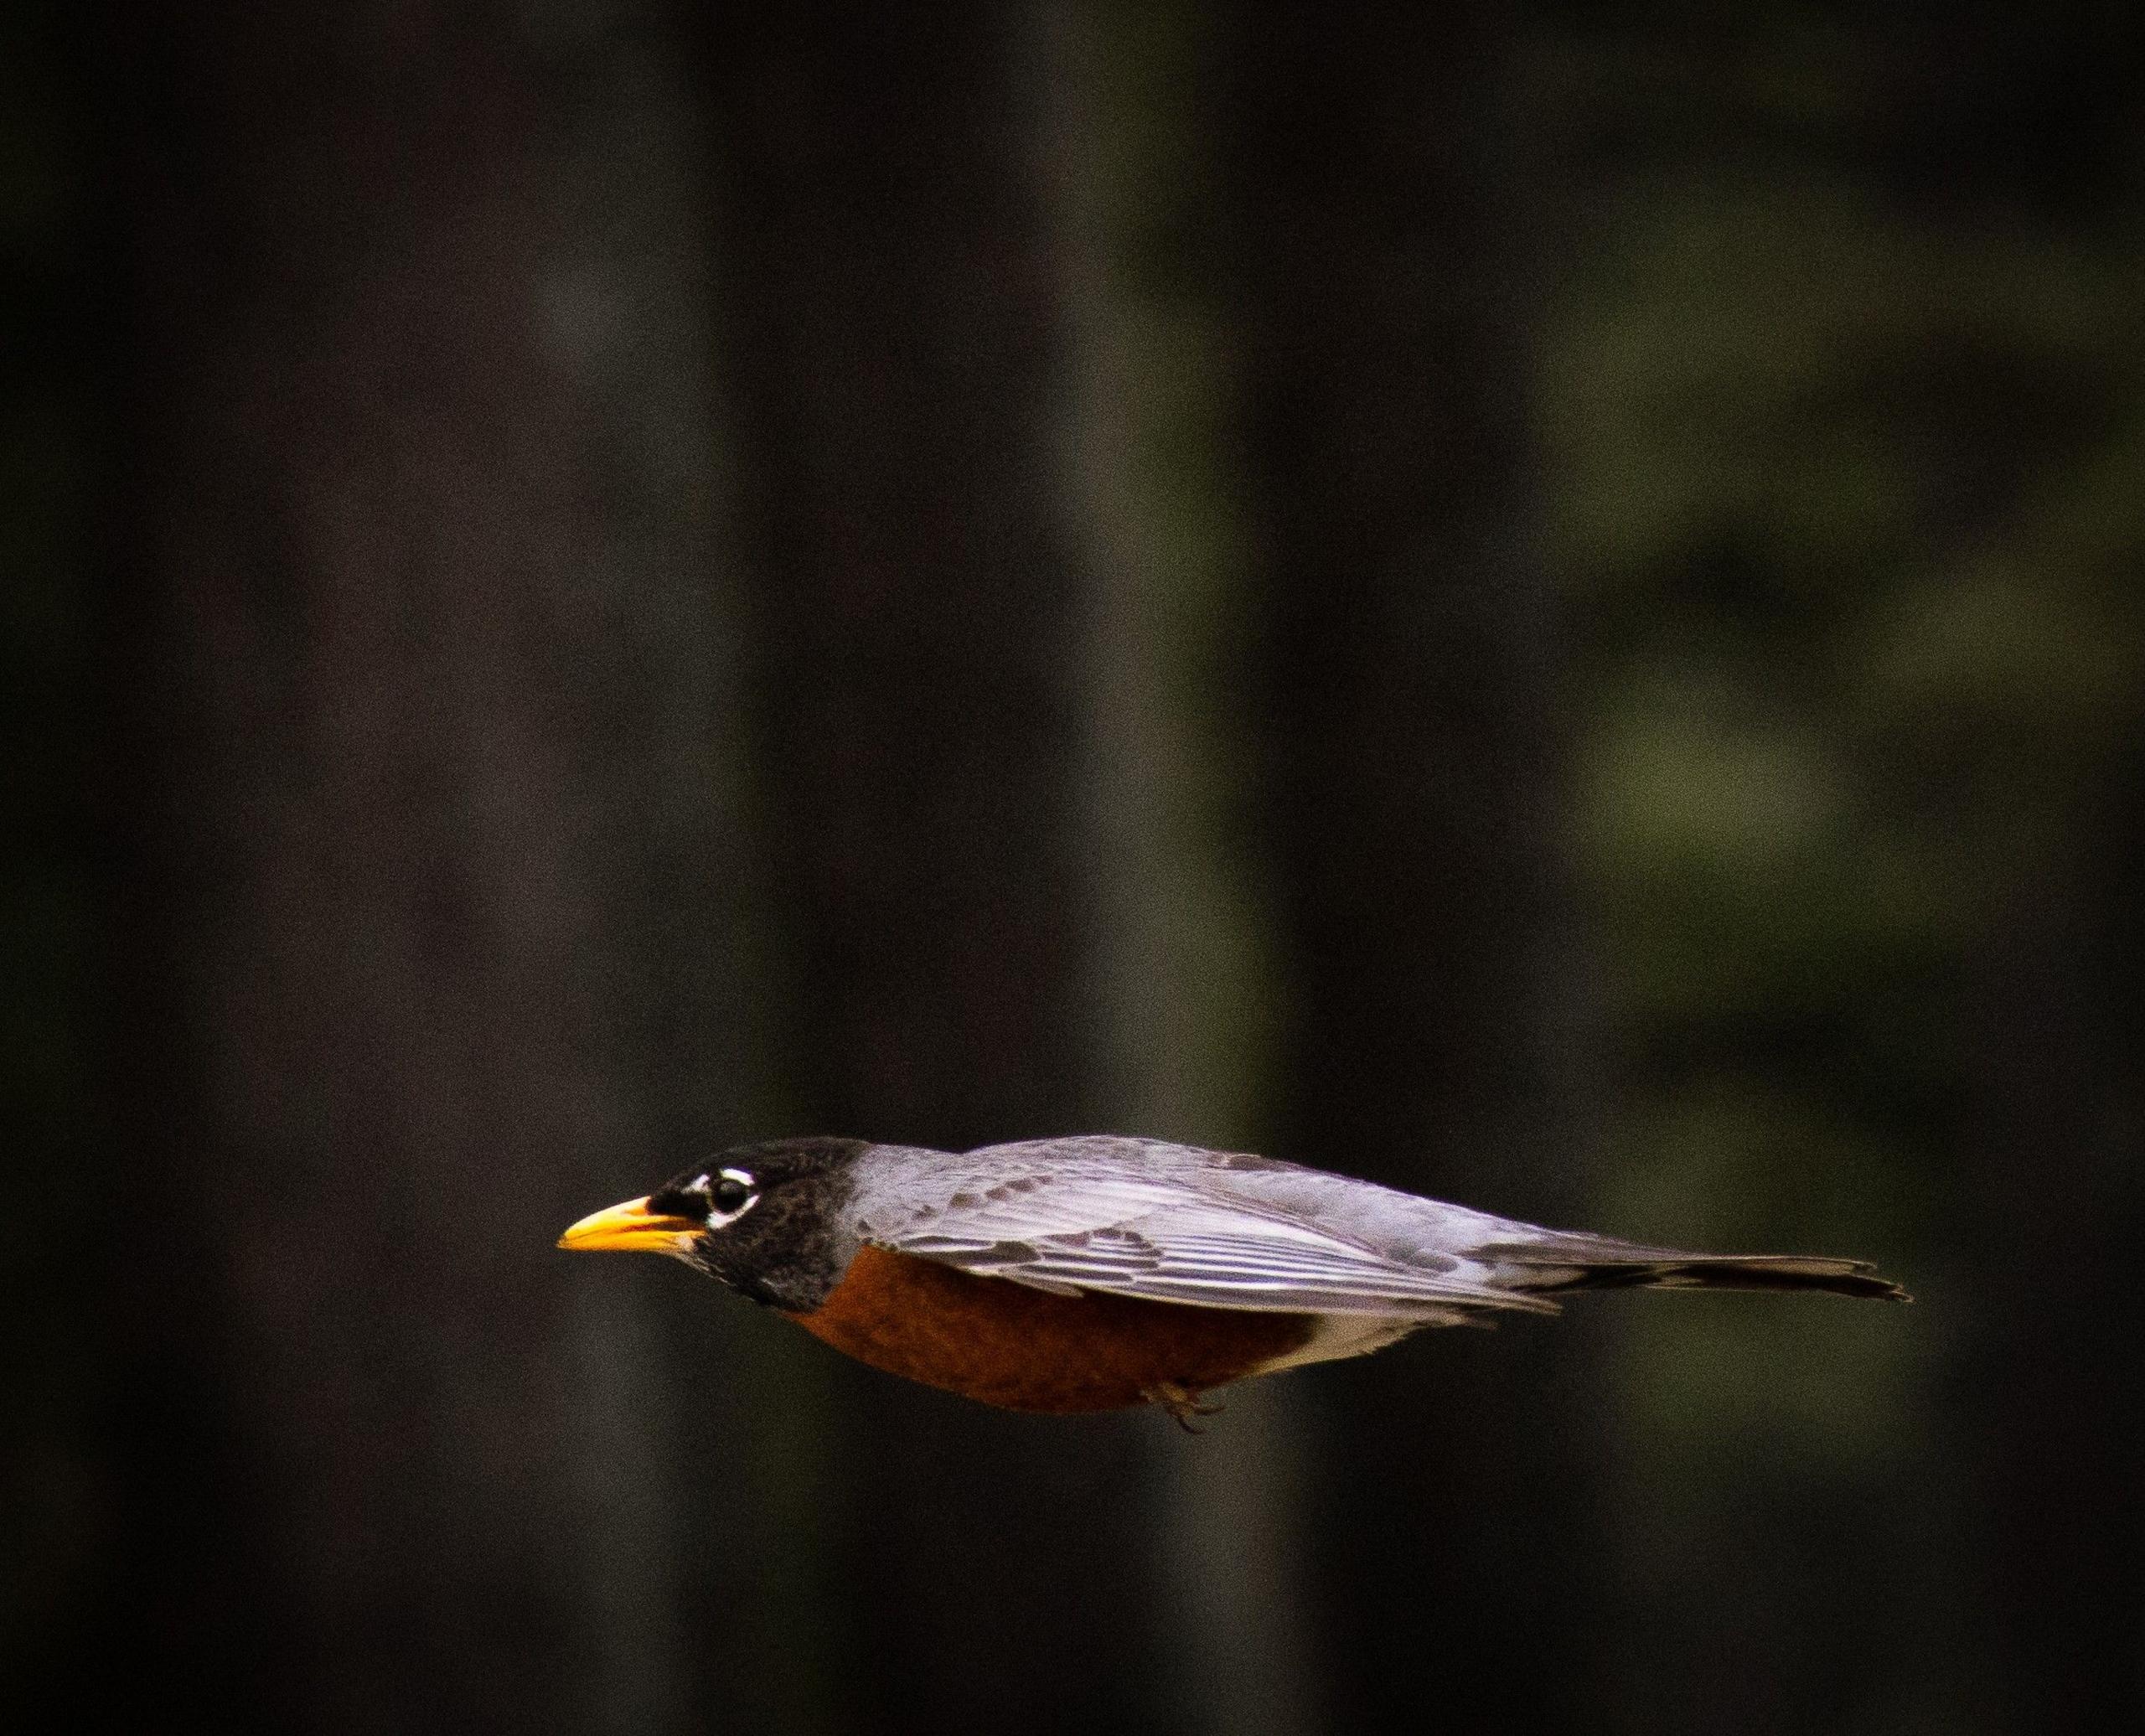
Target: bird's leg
1181,1403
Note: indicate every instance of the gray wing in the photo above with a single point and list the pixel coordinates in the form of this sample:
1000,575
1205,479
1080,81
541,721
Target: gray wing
1142,1218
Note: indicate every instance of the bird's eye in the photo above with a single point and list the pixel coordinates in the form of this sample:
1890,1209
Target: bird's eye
729,1194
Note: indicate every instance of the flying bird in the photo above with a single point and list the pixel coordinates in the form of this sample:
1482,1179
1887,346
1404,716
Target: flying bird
1096,1273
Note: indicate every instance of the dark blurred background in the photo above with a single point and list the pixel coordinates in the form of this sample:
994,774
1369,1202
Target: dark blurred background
1539,603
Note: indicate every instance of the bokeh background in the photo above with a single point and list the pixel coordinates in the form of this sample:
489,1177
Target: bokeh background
1541,603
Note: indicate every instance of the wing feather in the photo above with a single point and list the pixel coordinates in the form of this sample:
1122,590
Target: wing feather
1064,1224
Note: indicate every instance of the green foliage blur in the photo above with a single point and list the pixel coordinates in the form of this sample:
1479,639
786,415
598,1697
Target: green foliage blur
1842,391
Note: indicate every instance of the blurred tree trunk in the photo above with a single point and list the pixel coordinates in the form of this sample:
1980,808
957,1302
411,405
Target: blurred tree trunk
902,344
436,889
1425,960
2048,1416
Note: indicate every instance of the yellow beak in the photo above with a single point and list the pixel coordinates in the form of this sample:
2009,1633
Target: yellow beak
631,1226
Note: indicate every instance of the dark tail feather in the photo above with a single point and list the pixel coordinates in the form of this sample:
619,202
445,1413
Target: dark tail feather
1583,1263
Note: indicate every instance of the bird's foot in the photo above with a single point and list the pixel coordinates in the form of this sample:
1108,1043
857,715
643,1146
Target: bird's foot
1182,1404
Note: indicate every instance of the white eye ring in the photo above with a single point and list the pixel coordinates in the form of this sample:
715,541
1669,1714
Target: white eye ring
732,1179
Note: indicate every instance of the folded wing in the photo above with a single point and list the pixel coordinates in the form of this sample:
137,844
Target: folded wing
1066,1224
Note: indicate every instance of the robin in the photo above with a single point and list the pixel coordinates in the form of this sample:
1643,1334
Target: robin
1096,1273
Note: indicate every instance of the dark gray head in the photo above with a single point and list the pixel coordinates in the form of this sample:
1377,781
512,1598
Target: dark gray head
770,1220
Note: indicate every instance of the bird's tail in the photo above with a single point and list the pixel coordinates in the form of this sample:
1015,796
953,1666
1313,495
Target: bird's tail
1559,1264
